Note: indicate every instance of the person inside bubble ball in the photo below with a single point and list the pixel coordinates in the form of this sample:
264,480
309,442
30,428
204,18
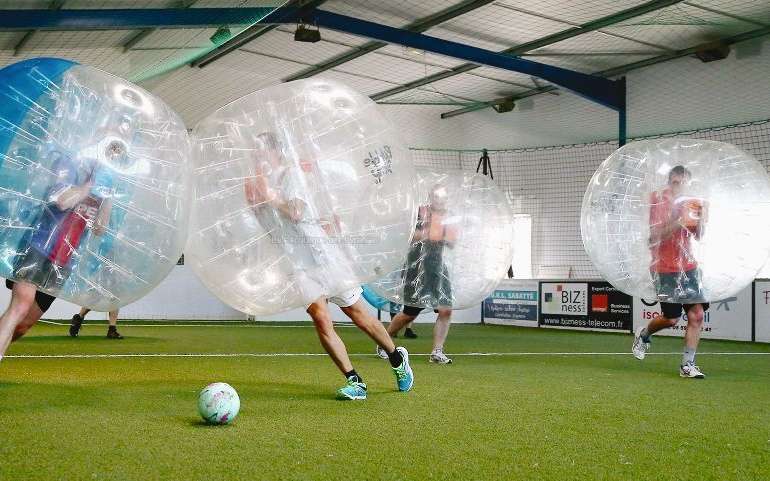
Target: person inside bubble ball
426,278
676,218
74,205
279,197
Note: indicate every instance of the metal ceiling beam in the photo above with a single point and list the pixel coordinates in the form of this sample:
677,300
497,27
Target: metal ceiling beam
253,32
726,14
419,25
539,43
596,89
573,24
623,69
141,35
54,5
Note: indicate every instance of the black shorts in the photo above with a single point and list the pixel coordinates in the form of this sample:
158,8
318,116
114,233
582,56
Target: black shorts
36,268
426,278
415,311
673,310
42,299
680,286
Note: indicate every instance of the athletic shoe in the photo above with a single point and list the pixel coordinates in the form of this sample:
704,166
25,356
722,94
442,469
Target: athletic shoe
381,353
439,357
640,348
113,334
690,370
75,325
352,391
404,374
410,334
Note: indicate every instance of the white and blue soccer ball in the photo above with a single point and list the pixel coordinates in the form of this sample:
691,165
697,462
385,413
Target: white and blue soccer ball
218,403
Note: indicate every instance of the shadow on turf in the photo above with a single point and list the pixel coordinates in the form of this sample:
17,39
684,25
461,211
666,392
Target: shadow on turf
201,424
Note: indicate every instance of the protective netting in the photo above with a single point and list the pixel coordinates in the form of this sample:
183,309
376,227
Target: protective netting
549,183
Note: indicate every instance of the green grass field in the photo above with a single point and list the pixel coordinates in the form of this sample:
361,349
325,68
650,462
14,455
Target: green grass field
529,415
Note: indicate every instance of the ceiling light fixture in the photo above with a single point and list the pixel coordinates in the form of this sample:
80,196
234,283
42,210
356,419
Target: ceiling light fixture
306,34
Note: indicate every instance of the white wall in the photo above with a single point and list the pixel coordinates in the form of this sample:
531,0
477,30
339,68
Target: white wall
674,96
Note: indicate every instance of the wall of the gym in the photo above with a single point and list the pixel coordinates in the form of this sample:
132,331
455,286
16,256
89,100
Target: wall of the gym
679,95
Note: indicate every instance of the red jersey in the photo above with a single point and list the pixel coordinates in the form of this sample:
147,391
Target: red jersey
72,228
673,253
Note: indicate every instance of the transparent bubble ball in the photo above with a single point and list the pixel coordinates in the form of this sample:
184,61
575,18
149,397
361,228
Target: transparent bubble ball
94,183
462,245
302,191
678,220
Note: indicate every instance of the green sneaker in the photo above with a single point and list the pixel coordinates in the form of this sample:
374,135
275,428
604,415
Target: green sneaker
352,391
404,374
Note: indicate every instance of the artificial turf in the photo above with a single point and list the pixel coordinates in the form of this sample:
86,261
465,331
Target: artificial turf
513,417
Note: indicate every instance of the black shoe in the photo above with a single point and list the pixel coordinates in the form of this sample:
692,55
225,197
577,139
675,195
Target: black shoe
112,333
77,321
410,334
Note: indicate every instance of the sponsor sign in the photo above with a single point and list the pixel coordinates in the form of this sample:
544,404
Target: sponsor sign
762,311
585,305
726,319
514,303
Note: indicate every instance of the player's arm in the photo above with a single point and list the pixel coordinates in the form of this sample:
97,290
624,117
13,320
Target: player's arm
258,192
450,236
68,196
292,208
420,227
704,216
103,218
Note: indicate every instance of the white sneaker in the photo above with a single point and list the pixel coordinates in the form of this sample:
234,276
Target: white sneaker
439,357
640,348
381,353
690,370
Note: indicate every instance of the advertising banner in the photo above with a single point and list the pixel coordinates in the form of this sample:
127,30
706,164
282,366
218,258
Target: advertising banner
726,319
762,311
513,303
584,305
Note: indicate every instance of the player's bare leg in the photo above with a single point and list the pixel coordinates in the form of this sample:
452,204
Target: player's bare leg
398,357
688,368
399,321
112,330
440,332
330,340
22,300
33,315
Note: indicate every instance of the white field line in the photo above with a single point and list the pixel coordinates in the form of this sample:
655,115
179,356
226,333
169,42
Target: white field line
191,324
318,354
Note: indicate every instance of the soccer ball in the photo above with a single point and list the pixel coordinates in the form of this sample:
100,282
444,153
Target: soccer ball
218,403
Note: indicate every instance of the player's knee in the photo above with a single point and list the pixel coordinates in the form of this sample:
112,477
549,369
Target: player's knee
20,330
321,320
695,316
21,304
